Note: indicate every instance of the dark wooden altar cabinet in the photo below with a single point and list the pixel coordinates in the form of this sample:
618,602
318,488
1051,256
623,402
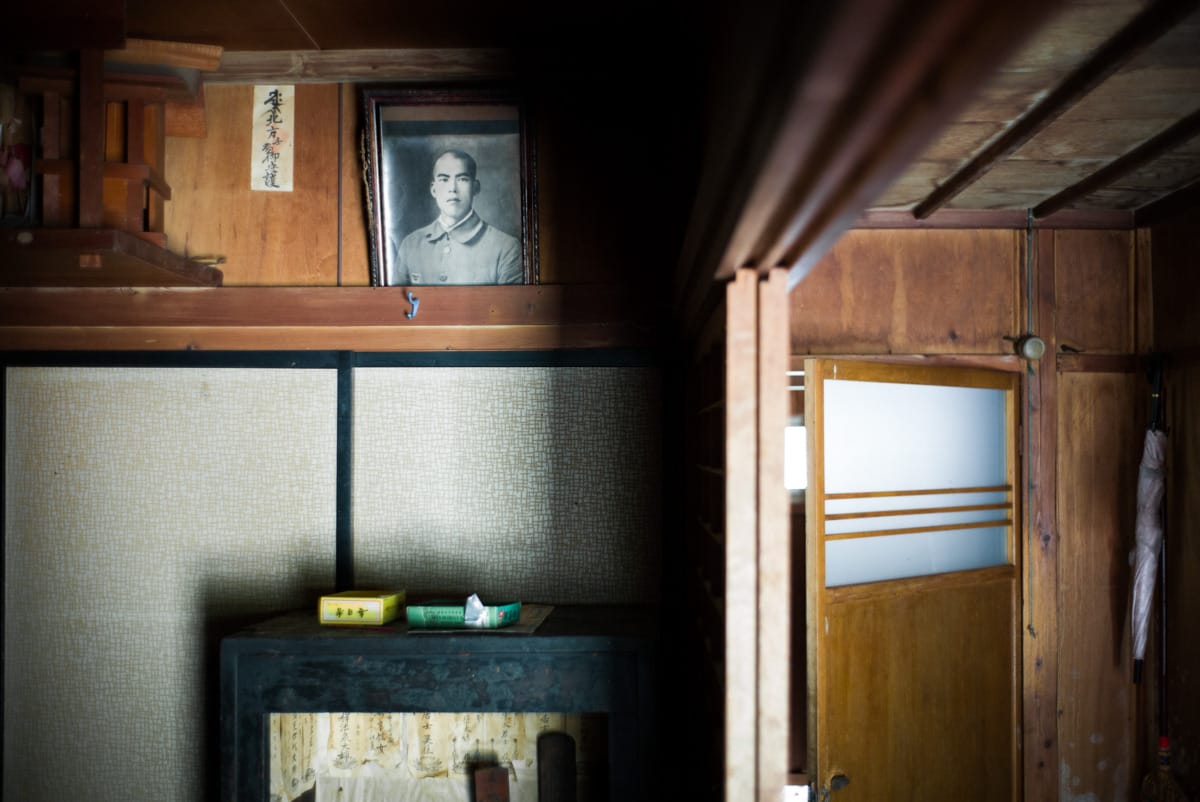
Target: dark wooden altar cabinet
590,659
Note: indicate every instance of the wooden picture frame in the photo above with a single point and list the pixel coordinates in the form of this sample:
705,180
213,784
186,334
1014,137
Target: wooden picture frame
450,187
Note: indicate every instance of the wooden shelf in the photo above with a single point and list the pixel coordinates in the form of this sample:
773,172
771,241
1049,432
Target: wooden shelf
468,318
51,257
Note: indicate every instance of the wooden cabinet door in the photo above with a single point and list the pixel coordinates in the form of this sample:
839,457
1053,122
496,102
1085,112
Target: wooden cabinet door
912,591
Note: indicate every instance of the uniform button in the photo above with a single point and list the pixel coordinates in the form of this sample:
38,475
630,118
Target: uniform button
444,277
414,278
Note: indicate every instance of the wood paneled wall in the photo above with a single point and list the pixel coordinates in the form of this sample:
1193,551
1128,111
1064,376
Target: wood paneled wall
911,292
961,293
1098,452
267,238
593,175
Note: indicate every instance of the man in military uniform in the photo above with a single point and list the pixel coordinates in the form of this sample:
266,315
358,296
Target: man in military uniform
459,247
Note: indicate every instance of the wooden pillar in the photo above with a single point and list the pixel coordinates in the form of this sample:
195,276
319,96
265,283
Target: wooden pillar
741,537
758,591
1040,596
775,592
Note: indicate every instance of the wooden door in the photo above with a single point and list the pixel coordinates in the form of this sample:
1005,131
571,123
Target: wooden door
912,585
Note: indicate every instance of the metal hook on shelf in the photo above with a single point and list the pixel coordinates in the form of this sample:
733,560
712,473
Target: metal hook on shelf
416,302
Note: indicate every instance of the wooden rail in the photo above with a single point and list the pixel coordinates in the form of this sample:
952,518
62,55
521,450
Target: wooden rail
525,317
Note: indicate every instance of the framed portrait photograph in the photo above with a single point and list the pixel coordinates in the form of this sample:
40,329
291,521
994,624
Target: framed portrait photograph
450,187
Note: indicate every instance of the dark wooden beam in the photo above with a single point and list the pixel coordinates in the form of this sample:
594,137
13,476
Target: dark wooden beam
1144,29
1181,200
1173,137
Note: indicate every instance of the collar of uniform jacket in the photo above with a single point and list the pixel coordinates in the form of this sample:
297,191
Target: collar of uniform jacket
462,233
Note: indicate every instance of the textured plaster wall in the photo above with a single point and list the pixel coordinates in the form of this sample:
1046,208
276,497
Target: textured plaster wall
142,505
537,484
145,509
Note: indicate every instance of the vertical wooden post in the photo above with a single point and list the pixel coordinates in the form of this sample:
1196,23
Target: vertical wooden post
91,126
1040,642
741,537
774,540
758,591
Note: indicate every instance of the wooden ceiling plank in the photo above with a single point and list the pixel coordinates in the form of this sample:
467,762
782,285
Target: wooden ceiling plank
300,25
878,81
933,68
1143,30
1173,137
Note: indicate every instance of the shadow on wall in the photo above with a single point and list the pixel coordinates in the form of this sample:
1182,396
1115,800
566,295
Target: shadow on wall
231,603
537,484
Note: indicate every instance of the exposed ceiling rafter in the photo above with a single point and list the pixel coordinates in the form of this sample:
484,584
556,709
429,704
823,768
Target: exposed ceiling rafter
1142,31
1151,149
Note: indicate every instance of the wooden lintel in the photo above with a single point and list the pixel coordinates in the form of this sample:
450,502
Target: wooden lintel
330,66
1007,363
1145,28
398,338
500,318
321,307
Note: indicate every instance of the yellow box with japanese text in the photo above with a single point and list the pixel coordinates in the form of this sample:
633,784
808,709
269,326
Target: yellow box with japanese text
361,607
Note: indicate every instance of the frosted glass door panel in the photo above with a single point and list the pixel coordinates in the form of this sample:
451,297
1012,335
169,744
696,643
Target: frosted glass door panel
882,436
916,480
873,559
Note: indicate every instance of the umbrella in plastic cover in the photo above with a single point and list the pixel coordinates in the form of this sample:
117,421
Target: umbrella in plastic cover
1149,538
